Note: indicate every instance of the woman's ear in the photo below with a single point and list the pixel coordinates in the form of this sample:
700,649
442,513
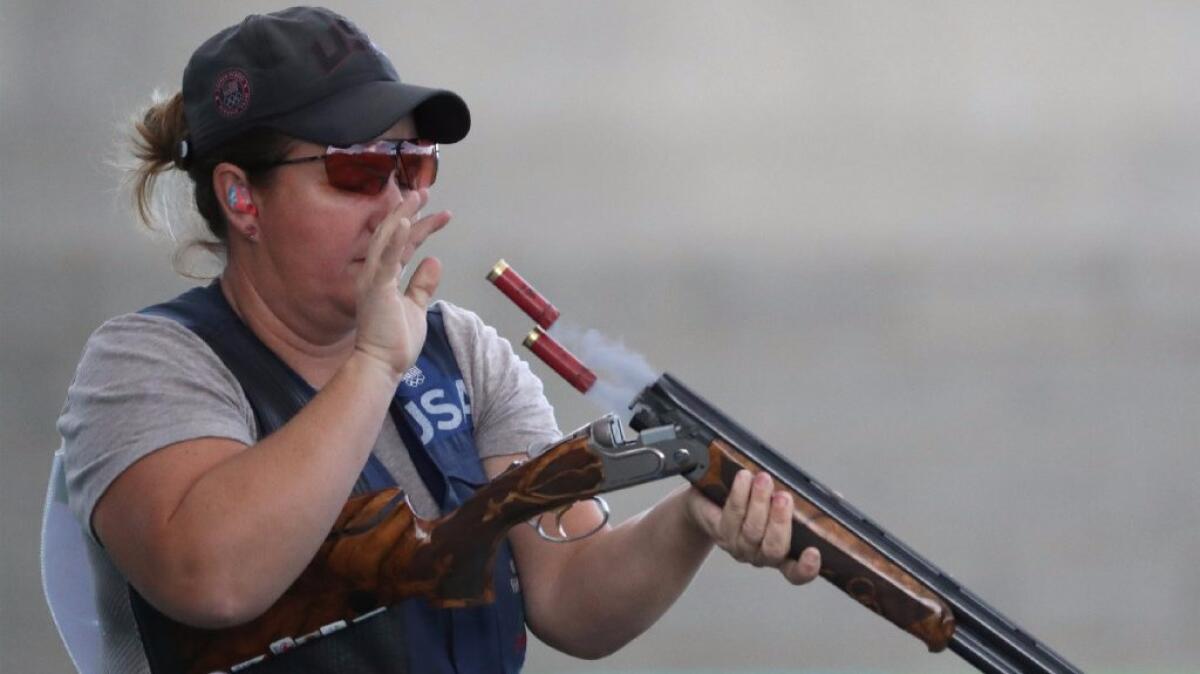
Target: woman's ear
237,201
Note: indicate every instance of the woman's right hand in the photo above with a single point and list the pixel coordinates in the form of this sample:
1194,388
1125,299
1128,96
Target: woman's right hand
391,325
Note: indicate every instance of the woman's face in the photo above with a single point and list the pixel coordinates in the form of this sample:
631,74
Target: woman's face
314,237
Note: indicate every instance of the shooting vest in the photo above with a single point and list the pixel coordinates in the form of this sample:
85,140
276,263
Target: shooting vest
432,412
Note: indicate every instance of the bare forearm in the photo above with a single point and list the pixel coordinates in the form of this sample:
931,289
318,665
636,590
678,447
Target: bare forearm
619,583
250,524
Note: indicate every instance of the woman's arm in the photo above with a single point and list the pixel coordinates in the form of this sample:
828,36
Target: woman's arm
212,531
591,597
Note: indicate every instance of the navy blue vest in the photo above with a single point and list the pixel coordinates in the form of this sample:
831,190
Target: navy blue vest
432,412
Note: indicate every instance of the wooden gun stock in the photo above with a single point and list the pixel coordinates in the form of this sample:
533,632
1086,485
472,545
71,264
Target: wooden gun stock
379,552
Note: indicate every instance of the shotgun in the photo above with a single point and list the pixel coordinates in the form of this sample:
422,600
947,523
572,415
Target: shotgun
379,552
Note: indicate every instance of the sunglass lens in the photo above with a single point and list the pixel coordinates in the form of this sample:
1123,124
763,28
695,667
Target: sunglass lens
417,170
363,172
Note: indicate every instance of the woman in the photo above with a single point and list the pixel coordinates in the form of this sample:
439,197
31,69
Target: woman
204,502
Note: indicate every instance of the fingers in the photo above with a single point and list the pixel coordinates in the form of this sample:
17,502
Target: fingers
803,570
743,524
383,251
391,258
424,281
778,535
755,526
421,230
396,239
733,514
411,202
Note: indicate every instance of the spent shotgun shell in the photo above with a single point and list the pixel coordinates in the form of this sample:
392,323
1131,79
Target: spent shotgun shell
560,360
524,295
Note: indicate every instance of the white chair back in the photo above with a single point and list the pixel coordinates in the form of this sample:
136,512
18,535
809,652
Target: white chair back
67,576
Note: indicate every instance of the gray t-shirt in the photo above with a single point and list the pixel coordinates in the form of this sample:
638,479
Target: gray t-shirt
145,382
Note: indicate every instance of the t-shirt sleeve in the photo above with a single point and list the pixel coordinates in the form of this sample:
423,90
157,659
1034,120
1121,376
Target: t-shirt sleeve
509,409
144,382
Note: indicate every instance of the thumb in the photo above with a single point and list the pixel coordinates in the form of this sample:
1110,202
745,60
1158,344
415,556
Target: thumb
424,282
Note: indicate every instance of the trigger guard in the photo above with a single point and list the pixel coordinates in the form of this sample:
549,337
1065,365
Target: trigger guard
563,537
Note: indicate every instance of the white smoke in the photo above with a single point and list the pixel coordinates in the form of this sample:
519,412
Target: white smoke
620,372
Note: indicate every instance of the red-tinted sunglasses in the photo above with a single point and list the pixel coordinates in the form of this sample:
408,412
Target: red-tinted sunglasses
366,168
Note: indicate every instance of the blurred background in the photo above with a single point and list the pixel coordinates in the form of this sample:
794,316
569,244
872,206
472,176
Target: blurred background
944,255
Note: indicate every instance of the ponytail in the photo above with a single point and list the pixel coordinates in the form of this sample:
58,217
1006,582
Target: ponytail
160,143
157,139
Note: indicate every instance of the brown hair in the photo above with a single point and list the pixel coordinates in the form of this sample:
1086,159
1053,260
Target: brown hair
157,147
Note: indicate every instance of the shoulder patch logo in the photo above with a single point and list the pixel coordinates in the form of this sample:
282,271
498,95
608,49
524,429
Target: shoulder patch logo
414,377
232,93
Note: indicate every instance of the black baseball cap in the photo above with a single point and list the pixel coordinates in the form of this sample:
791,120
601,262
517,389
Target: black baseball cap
309,73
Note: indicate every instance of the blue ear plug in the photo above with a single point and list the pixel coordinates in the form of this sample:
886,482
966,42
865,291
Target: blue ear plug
238,198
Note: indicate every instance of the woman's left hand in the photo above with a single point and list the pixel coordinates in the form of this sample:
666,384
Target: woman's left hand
755,526
391,325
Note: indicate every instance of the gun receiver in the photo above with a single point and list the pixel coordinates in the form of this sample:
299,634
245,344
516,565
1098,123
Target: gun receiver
857,555
379,552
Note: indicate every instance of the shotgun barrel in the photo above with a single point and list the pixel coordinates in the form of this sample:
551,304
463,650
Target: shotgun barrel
858,555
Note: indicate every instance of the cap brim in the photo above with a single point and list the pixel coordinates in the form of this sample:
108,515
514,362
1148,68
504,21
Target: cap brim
364,112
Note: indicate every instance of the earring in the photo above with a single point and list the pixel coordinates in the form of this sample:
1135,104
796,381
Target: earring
252,234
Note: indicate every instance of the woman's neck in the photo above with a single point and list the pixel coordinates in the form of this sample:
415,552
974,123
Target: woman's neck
314,352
